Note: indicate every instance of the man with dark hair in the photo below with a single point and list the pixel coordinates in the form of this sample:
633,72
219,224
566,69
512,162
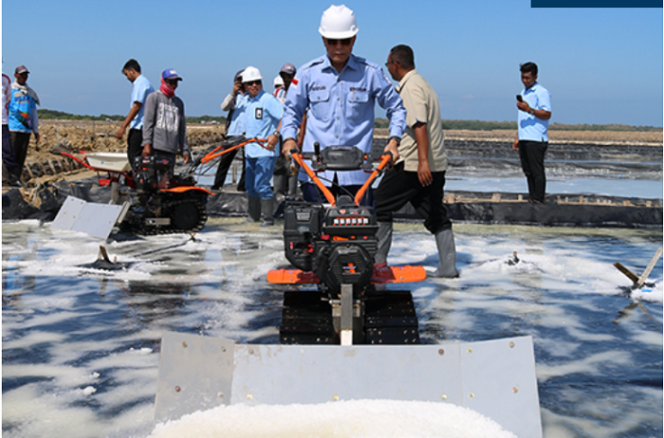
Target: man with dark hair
134,120
532,140
403,55
418,176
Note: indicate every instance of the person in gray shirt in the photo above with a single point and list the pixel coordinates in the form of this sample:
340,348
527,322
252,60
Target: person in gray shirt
164,127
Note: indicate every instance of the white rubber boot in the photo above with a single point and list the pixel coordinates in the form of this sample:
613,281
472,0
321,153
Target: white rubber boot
384,236
446,254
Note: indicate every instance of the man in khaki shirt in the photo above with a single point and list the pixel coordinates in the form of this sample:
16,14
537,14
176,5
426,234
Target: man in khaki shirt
418,176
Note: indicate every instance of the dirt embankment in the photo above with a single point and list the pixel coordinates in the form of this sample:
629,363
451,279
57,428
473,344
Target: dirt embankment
100,137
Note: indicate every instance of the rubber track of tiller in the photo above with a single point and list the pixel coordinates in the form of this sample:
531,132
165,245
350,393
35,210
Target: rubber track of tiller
153,230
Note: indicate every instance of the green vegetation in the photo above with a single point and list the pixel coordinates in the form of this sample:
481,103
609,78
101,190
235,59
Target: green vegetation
47,114
206,119
611,127
471,125
477,125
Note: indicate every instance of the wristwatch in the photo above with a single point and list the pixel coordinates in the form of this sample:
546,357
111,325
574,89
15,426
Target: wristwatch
397,139
531,111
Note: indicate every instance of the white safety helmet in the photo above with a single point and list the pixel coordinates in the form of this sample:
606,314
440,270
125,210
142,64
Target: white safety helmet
251,74
338,22
278,82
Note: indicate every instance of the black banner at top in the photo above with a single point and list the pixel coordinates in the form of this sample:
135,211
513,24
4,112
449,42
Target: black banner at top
596,3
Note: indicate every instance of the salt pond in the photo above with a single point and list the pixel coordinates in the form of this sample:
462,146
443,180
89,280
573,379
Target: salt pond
81,347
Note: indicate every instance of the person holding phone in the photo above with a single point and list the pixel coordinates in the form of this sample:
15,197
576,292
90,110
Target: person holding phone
532,140
234,126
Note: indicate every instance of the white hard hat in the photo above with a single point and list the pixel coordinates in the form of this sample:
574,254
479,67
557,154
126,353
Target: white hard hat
338,22
278,82
251,74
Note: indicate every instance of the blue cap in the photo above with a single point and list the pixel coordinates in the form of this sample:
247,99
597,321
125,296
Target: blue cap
170,74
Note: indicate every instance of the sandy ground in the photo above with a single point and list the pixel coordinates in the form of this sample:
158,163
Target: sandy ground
100,137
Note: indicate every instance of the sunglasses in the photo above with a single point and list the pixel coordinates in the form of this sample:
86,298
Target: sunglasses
248,84
171,82
333,42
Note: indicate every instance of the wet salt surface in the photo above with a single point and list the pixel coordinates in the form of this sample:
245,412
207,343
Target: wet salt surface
81,347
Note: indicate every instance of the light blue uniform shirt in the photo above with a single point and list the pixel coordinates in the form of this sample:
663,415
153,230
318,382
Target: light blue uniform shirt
237,125
530,127
139,93
260,115
341,108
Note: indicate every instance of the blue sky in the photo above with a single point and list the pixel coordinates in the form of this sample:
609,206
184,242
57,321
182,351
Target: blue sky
600,65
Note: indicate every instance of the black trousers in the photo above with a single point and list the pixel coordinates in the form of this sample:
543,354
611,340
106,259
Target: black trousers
224,164
398,187
20,142
532,162
134,145
281,174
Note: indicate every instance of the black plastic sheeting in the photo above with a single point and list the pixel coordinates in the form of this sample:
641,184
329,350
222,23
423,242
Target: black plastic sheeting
550,215
480,211
473,157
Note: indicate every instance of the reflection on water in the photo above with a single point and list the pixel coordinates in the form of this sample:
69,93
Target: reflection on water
81,347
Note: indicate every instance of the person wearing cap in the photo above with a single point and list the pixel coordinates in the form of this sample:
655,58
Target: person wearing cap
339,90
23,120
164,127
141,88
262,114
285,181
418,176
286,75
234,126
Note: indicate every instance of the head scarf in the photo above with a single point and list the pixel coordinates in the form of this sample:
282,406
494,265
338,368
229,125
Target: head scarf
166,89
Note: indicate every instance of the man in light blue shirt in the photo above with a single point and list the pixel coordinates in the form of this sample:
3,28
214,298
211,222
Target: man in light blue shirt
261,115
340,90
134,120
532,140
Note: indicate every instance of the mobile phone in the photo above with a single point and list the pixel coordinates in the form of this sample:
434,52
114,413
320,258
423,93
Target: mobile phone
519,98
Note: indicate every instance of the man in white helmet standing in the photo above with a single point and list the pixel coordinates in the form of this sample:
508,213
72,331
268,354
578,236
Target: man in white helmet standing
339,90
261,113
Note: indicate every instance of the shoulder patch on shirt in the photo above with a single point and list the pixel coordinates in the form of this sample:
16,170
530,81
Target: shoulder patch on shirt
313,63
294,81
366,62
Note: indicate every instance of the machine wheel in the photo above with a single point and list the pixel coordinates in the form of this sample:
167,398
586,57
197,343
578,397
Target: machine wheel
185,215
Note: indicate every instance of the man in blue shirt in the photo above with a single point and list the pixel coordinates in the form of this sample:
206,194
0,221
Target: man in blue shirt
23,120
134,120
339,90
261,114
532,140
